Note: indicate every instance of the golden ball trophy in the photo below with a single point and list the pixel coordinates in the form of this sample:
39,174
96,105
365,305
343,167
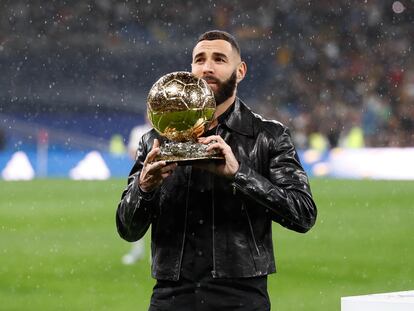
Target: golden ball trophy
180,107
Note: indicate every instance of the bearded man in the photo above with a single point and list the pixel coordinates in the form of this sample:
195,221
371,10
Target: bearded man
211,226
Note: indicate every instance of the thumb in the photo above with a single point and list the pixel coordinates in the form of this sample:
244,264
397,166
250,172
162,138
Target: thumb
153,153
156,144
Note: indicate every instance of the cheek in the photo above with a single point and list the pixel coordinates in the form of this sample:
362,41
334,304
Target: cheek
196,70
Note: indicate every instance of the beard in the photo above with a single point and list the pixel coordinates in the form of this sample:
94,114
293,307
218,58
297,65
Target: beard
225,89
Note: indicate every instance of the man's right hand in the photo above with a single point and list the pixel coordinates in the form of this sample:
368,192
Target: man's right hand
153,173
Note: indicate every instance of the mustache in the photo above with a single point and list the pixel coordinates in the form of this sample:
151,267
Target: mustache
211,79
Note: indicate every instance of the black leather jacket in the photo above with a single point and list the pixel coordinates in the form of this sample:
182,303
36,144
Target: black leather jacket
270,185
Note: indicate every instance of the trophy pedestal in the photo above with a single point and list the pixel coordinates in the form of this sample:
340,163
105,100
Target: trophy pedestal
186,153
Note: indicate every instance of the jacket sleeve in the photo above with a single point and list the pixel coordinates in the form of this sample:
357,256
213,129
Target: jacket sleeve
285,193
134,213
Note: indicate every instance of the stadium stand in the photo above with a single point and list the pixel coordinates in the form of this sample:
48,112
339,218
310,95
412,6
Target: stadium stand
321,67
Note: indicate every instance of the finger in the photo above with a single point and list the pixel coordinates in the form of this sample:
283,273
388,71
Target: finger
219,146
166,174
155,150
151,156
225,150
150,182
156,144
170,167
155,167
159,182
207,140
213,147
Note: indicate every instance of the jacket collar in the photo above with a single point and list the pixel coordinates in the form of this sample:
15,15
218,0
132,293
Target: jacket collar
241,119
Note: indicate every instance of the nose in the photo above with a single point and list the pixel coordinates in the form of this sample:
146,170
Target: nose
208,67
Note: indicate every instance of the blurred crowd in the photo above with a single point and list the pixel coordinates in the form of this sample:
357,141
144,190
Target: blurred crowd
338,73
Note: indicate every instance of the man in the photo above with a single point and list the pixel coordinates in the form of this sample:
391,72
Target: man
211,226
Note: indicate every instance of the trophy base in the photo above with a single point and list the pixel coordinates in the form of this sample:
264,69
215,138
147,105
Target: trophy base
186,153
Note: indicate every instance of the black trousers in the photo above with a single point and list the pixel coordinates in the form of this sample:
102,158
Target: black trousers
209,294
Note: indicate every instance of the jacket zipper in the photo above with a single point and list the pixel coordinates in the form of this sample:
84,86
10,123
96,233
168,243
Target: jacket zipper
251,229
185,223
235,187
214,273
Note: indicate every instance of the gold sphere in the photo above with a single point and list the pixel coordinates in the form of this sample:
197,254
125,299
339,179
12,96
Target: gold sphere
180,106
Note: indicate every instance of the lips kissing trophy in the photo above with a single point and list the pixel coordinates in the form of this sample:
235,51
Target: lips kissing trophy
180,107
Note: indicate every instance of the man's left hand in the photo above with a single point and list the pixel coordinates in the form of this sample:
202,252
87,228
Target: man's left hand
229,167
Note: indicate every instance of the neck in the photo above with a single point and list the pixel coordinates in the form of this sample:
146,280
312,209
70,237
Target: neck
220,109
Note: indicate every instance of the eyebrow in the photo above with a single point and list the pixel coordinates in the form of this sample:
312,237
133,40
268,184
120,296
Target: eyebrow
214,54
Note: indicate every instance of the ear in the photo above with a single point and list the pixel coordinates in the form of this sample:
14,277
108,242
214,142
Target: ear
241,71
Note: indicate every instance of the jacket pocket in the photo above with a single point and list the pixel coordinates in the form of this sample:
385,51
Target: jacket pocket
259,252
256,247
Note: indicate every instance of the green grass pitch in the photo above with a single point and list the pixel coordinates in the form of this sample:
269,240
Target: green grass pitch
59,249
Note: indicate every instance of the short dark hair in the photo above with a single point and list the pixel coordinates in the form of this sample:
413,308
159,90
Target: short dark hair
220,35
